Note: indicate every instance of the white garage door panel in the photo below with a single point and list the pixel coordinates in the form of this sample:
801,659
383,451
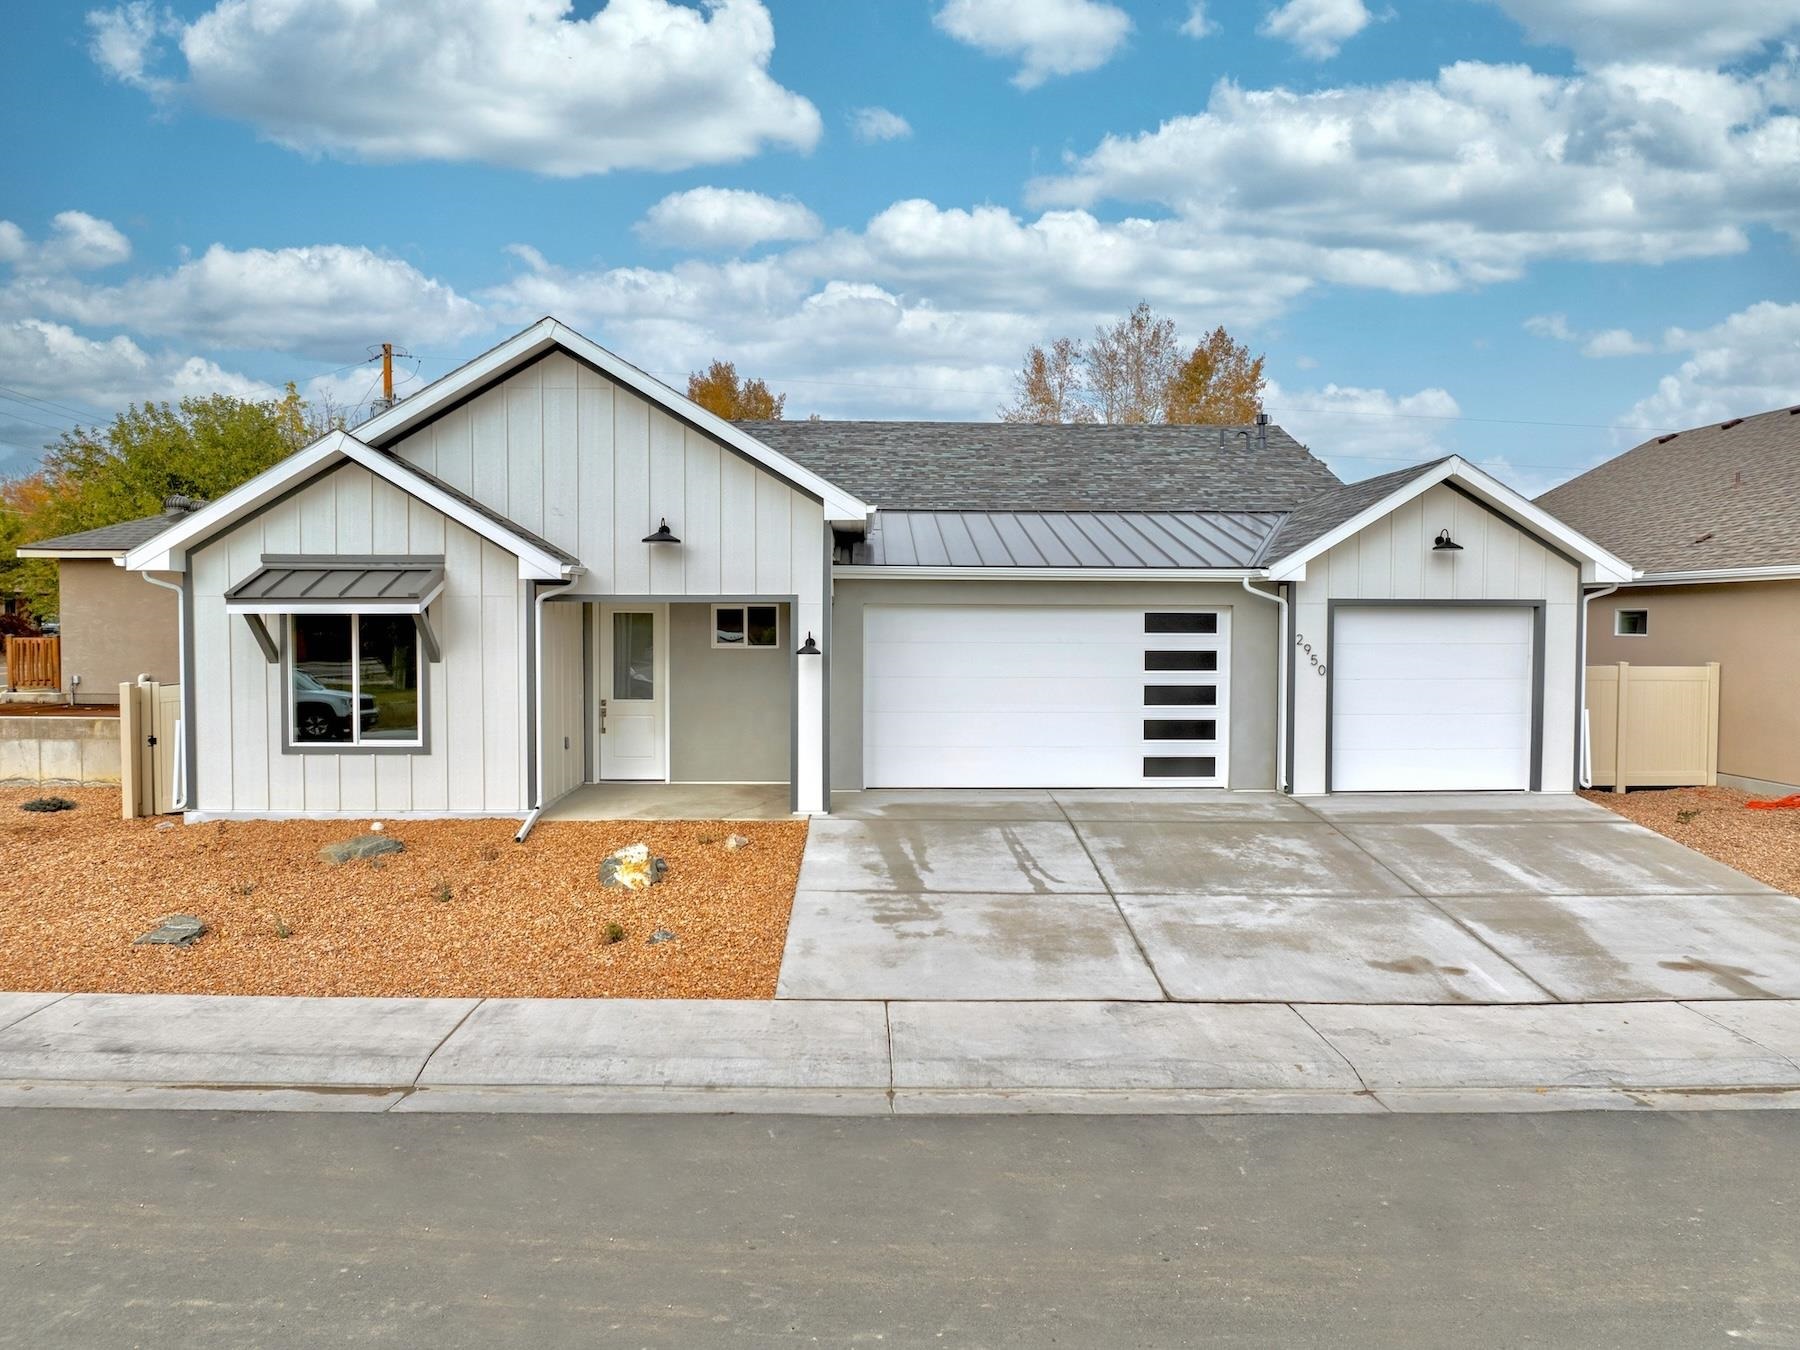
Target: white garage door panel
1432,698
1027,696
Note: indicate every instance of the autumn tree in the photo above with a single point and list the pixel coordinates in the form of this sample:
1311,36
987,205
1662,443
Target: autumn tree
1135,371
719,390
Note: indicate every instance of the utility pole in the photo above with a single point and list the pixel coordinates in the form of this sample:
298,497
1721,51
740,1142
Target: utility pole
387,374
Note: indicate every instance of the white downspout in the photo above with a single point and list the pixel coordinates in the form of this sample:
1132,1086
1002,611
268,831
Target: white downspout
1281,665
181,674
1584,772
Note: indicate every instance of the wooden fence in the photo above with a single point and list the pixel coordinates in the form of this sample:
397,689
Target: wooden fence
1653,726
33,663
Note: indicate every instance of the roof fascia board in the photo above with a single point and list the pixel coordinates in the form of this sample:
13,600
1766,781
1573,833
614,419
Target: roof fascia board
840,506
1597,565
1701,577
28,551
865,572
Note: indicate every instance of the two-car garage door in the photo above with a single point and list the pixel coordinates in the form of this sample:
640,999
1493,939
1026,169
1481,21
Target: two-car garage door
1044,696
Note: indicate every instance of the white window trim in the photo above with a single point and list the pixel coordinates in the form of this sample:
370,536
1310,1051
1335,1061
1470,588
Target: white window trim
356,744
745,646
1618,616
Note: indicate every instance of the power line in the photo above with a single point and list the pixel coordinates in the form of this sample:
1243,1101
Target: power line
30,421
20,396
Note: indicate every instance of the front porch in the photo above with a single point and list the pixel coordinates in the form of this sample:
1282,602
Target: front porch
674,801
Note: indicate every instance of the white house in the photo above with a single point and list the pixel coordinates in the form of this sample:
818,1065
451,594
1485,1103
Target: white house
548,569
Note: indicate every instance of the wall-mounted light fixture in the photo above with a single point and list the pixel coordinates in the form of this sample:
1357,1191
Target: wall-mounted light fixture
662,535
809,647
1445,544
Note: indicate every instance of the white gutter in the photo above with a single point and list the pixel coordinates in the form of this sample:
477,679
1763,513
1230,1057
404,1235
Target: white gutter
181,674
1784,572
1281,665
1584,772
864,572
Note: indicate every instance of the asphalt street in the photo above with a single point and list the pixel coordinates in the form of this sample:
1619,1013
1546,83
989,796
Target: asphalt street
201,1230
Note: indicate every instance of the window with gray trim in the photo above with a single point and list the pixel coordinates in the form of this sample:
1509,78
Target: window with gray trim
747,627
354,680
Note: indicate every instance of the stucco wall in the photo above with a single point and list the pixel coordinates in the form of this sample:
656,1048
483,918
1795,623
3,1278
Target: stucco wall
115,627
1253,648
1753,631
1393,560
730,712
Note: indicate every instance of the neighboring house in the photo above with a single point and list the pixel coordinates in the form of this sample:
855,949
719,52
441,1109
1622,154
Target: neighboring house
114,627
1712,517
548,568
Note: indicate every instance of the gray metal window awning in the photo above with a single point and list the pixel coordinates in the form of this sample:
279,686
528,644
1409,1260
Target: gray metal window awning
336,584
327,583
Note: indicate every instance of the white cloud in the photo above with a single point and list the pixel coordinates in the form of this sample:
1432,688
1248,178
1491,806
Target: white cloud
1362,432
77,241
1748,363
878,124
1605,343
1317,28
1046,37
51,360
1469,178
326,299
1677,31
724,218
1552,326
1197,25
640,84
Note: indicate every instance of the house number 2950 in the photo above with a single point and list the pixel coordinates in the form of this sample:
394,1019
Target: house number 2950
1305,646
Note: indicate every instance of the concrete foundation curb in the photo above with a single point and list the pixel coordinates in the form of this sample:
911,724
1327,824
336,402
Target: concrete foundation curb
844,1057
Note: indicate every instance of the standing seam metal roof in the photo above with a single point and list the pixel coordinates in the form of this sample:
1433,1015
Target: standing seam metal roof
326,580
1183,539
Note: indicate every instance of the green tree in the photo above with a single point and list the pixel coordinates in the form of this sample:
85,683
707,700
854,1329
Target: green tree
719,390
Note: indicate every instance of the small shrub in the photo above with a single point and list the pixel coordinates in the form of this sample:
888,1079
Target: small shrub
707,840
1685,817
47,804
245,889
442,892
489,854
280,926
612,933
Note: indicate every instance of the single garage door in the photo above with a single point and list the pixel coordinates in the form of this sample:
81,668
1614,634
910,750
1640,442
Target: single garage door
1040,696
1432,698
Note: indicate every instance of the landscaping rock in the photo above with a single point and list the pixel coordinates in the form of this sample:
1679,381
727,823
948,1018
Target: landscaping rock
363,846
632,868
734,842
165,824
662,935
177,930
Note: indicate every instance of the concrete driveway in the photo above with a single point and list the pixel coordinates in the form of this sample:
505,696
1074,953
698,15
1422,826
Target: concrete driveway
1256,897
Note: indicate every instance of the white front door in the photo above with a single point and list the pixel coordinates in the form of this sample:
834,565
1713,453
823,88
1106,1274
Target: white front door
633,684
1431,698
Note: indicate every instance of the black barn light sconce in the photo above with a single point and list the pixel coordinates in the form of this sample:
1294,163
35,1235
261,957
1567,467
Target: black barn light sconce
1445,544
662,535
809,647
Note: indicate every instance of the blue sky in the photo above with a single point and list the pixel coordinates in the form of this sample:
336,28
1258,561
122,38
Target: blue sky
1527,231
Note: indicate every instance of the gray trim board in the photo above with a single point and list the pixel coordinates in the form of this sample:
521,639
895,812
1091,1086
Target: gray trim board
825,680
1287,640
190,729
1535,780
532,731
590,693
260,631
1526,530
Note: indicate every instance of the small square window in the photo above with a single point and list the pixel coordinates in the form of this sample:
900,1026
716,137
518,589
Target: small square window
747,626
1631,623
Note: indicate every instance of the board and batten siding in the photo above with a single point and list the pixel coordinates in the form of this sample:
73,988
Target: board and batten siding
563,683
593,467
1393,559
475,704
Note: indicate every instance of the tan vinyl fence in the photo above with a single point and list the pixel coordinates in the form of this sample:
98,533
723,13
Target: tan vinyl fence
1653,726
149,748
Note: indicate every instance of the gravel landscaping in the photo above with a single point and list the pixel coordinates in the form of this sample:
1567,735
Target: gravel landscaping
462,911
1715,821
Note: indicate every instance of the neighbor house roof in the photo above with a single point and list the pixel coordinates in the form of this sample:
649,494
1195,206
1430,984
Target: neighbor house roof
1036,539
1718,497
108,541
1023,466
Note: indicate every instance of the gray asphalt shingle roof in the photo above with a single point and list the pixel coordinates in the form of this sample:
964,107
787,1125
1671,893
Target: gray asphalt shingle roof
1327,510
1717,496
1015,466
1066,538
122,537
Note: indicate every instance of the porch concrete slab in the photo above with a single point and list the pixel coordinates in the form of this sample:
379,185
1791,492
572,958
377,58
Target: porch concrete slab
1469,808
886,945
1773,1026
1035,857
664,1043
1547,858
1624,1045
1316,949
181,1039
1112,1046
1612,949
17,1007
1147,804
674,801
945,804
1233,858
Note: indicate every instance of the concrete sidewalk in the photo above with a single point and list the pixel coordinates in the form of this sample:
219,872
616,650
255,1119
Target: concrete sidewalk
870,1057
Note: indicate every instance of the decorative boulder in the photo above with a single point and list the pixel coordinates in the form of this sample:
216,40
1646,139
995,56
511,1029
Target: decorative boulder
632,868
177,930
363,846
734,842
662,935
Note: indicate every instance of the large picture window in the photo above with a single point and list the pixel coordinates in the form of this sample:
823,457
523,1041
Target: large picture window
354,680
